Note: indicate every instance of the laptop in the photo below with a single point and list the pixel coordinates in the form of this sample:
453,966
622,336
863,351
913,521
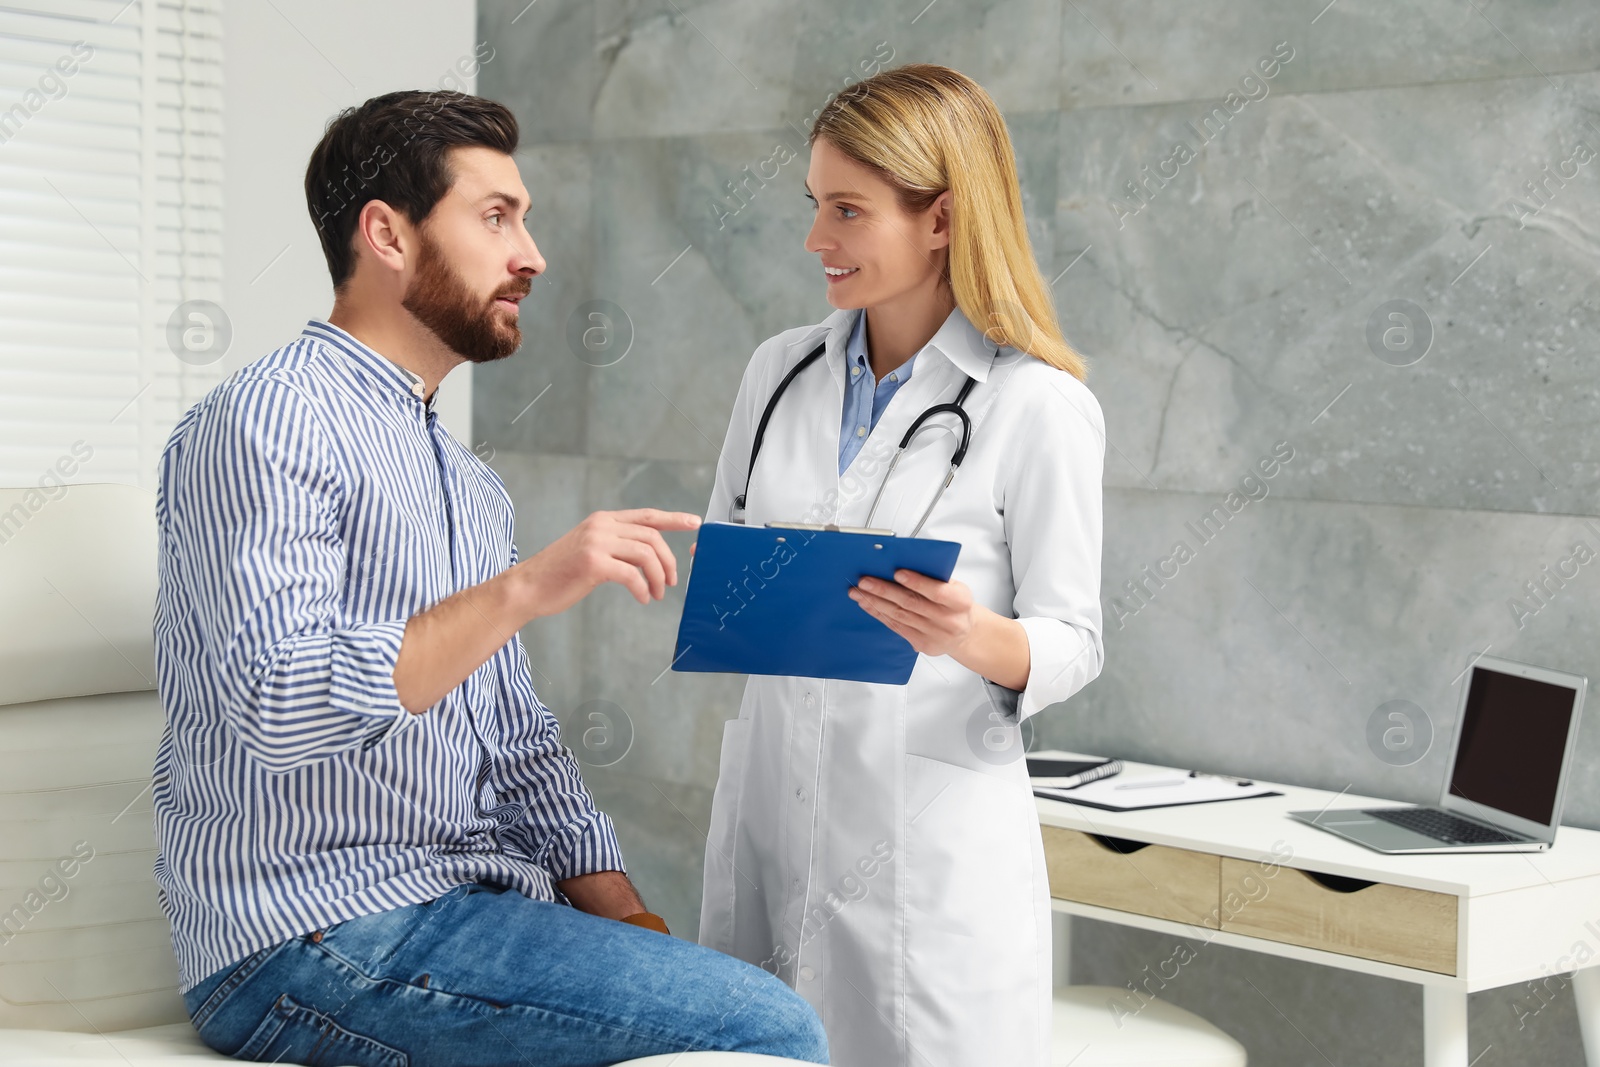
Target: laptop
1512,753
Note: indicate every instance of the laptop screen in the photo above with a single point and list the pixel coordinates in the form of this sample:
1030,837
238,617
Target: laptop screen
1513,738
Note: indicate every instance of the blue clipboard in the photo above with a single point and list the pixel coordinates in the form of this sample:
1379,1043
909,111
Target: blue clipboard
774,600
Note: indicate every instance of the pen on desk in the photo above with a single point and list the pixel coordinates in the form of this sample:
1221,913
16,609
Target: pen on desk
1145,785
1229,777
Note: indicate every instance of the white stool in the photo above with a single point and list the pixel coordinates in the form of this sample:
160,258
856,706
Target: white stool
1086,1034
712,1059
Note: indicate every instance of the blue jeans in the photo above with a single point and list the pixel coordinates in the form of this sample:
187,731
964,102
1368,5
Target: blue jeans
483,976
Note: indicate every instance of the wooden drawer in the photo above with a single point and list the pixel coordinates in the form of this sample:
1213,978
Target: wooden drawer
1168,883
1409,927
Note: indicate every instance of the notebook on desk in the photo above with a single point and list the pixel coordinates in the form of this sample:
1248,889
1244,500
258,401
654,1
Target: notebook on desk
1063,770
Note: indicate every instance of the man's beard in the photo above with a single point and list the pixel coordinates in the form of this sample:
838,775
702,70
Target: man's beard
469,327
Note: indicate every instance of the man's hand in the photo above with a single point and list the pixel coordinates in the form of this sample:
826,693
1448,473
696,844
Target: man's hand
608,894
625,547
450,640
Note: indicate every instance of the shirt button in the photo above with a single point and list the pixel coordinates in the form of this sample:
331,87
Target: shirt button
894,377
861,431
855,370
806,973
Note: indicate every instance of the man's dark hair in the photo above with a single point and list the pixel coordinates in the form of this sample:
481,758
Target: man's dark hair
394,148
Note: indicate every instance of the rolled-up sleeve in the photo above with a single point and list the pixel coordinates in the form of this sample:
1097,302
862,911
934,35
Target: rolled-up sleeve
1052,502
252,539
562,829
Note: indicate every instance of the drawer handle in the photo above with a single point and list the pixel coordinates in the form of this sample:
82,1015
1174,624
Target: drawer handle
1339,883
1120,845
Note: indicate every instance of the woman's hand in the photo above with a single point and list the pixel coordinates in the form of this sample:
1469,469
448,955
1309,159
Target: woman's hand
940,619
936,617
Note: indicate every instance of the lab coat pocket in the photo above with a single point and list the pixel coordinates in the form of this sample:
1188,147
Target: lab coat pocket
1003,700
716,909
970,935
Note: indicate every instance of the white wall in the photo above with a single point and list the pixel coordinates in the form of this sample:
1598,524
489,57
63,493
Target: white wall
289,67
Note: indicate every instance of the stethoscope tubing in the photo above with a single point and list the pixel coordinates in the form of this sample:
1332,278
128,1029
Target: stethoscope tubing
955,408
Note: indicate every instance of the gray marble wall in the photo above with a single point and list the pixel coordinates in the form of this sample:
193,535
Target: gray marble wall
1233,299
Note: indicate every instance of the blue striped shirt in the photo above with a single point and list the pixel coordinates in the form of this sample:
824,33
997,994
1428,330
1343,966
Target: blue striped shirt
308,507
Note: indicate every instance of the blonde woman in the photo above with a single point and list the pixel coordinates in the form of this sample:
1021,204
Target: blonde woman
876,846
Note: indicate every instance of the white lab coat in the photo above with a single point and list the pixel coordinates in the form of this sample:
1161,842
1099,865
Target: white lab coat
867,842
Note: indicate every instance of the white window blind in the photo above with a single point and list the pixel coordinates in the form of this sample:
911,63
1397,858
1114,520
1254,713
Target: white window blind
110,221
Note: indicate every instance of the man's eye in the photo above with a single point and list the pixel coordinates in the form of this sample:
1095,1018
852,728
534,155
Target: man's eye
496,217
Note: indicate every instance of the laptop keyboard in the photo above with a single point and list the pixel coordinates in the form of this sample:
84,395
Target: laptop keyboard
1443,826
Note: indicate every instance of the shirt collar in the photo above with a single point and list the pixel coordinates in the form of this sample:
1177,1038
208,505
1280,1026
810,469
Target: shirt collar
957,340
964,345
856,352
856,347
377,366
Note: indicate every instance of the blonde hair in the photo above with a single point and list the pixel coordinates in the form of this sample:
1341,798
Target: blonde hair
926,129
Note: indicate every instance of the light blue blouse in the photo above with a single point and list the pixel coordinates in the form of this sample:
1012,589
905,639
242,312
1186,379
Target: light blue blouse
864,396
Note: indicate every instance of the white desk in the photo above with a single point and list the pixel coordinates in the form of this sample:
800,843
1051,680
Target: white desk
1454,924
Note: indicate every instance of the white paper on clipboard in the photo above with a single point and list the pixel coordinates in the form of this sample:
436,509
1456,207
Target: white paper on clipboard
1123,793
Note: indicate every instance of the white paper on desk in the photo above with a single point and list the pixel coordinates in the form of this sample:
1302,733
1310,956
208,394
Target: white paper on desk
1122,793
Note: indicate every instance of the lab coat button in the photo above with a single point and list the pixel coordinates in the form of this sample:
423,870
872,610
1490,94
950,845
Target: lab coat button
806,973
800,795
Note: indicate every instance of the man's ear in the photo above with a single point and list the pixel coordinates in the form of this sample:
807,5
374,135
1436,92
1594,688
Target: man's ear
939,212
384,235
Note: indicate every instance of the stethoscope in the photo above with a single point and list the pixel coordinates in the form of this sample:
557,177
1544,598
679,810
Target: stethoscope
736,512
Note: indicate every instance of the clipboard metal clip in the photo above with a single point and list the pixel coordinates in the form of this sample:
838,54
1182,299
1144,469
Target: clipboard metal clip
830,527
